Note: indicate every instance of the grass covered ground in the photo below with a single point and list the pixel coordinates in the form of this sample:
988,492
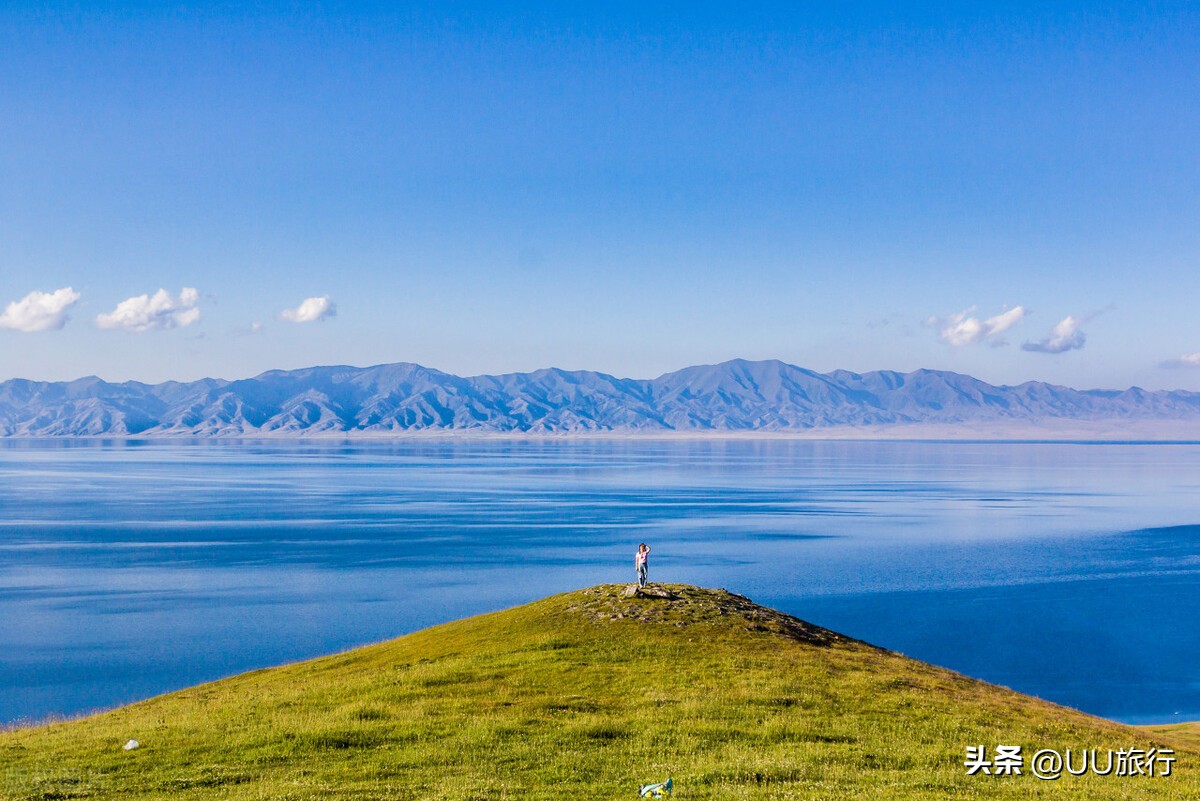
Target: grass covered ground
1186,733
583,695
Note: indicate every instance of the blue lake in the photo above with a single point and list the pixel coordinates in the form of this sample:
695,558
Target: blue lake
1069,571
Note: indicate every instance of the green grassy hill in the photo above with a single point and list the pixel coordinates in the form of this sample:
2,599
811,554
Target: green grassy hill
584,695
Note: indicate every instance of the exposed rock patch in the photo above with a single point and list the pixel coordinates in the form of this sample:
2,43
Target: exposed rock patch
683,605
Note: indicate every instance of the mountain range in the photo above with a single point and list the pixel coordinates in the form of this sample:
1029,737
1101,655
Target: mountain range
737,396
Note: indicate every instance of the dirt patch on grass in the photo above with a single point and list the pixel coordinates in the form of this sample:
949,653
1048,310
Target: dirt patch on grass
683,605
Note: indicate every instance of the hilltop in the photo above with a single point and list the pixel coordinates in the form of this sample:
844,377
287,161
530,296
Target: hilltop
581,695
735,397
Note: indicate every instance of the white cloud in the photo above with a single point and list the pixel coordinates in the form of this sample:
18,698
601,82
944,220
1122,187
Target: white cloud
1063,337
156,312
1186,360
310,311
39,311
963,329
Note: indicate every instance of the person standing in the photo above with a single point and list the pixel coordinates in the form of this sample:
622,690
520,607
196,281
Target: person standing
642,563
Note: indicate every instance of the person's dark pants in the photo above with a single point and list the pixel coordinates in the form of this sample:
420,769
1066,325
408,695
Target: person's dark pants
642,570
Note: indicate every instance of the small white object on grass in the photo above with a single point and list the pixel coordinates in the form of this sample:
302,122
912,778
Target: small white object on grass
132,744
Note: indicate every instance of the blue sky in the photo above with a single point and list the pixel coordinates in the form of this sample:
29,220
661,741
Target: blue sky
1006,190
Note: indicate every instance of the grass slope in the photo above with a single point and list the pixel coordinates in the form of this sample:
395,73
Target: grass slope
1181,733
582,695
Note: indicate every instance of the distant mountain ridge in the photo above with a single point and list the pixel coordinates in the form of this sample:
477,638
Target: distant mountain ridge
731,397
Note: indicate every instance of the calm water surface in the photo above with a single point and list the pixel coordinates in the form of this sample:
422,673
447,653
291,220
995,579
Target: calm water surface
1071,572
